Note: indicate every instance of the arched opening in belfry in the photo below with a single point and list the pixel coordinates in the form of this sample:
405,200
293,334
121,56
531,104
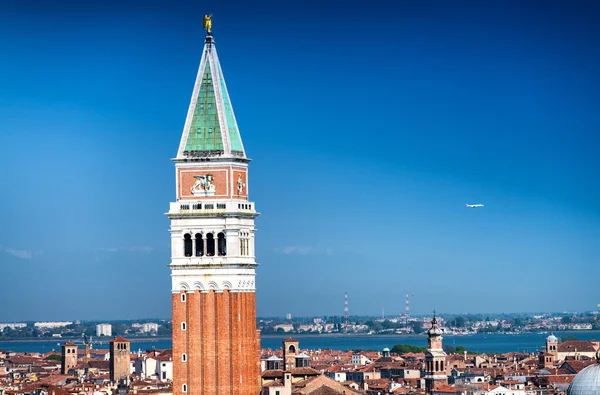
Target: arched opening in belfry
292,349
199,245
210,245
187,244
222,244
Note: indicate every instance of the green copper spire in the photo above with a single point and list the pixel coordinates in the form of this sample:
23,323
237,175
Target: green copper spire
205,132
210,128
234,135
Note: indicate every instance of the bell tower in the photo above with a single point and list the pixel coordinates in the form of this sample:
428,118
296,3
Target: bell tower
120,357
435,358
215,341
68,357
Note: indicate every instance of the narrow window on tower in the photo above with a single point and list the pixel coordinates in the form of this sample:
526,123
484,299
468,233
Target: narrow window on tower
222,244
210,245
184,388
187,244
183,297
183,358
183,326
199,245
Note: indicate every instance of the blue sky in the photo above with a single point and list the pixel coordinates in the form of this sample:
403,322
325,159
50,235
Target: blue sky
370,125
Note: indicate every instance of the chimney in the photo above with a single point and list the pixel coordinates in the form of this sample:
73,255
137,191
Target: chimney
287,380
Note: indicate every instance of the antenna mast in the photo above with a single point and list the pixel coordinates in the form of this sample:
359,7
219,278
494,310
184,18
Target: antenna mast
346,307
406,312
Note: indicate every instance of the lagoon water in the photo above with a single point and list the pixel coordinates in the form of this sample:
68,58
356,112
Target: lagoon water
480,342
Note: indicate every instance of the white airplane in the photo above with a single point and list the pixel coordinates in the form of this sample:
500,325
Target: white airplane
474,205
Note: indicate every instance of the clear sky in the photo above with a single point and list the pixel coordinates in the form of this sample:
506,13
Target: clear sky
370,125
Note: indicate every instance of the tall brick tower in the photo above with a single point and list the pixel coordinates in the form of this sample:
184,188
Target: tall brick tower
435,358
215,341
68,357
120,357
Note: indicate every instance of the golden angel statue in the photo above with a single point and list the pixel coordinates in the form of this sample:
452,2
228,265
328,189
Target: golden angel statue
208,23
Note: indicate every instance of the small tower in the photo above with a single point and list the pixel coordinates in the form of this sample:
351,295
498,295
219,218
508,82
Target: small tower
552,345
435,358
290,350
68,358
119,359
386,353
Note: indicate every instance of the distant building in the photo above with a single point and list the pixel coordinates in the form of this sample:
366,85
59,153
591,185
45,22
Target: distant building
284,327
149,327
103,330
12,325
288,316
52,324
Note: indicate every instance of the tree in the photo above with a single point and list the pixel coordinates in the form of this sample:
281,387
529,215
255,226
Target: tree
459,322
417,326
566,320
119,329
518,322
448,349
387,324
53,357
404,348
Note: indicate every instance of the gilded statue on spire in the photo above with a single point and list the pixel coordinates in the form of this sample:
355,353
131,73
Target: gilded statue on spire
208,23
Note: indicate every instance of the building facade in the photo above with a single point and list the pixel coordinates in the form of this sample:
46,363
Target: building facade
103,330
52,325
215,341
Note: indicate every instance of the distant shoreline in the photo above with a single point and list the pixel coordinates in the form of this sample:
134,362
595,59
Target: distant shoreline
106,339
302,335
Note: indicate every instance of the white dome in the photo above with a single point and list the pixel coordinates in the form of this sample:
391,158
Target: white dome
552,339
587,382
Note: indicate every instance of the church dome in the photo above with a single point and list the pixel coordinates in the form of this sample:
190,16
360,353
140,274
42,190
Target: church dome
587,382
552,339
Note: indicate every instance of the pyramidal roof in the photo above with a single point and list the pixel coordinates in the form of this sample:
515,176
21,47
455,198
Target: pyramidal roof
210,127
